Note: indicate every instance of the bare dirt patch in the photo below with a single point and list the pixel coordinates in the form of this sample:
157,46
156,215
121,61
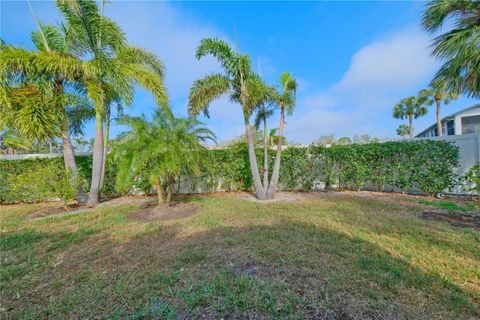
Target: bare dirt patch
152,212
457,219
76,209
280,196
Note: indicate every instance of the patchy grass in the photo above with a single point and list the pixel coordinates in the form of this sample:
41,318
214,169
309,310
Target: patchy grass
327,257
451,205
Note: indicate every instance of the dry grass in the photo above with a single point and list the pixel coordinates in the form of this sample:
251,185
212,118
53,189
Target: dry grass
331,256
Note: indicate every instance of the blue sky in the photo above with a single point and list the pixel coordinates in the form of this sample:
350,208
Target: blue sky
353,60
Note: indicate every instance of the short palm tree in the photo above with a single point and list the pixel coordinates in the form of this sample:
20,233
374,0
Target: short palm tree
239,82
457,48
438,96
163,148
410,108
286,100
403,130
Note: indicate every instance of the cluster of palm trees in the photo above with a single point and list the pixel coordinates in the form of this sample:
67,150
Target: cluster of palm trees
83,67
255,97
414,107
459,51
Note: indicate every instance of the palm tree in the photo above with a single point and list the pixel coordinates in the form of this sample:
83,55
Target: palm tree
80,144
457,48
111,63
410,108
164,148
48,39
240,82
403,130
285,99
264,111
438,96
273,136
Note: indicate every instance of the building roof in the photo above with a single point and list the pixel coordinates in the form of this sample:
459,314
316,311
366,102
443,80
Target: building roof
450,116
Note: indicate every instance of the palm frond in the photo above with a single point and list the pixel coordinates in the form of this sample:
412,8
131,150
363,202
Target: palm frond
205,90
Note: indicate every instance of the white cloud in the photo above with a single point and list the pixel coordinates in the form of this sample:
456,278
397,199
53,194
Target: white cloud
380,73
397,62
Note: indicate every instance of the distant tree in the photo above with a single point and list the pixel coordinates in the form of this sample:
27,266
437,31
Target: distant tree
403,130
364,138
80,143
325,140
344,141
457,48
410,108
273,136
437,95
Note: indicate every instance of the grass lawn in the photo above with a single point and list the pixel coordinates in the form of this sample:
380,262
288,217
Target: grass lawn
328,257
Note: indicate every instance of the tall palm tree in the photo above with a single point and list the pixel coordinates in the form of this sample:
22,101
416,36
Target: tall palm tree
164,148
102,59
111,63
403,130
240,82
410,108
458,48
437,96
265,110
48,39
286,100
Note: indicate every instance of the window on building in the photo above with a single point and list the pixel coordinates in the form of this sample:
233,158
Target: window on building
470,124
450,128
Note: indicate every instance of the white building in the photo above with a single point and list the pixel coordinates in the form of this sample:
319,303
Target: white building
465,121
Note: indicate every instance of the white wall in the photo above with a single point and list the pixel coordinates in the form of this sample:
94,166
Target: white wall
458,122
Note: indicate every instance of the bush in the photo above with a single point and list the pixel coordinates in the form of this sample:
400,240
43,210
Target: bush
425,166
45,183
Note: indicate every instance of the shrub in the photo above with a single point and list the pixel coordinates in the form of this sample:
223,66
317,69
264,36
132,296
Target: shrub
425,165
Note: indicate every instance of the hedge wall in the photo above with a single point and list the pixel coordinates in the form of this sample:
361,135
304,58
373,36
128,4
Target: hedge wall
425,166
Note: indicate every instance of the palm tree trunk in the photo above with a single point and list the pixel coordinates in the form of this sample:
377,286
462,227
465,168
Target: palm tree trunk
439,119
278,157
171,182
69,159
259,190
410,126
97,161
265,154
105,145
158,186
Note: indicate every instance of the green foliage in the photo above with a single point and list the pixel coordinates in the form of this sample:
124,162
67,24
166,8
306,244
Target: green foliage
425,166
42,183
457,48
473,177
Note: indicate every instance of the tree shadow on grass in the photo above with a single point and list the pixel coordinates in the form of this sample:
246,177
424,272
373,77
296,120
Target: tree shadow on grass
286,269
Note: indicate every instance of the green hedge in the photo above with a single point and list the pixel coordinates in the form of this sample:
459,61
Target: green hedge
425,166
